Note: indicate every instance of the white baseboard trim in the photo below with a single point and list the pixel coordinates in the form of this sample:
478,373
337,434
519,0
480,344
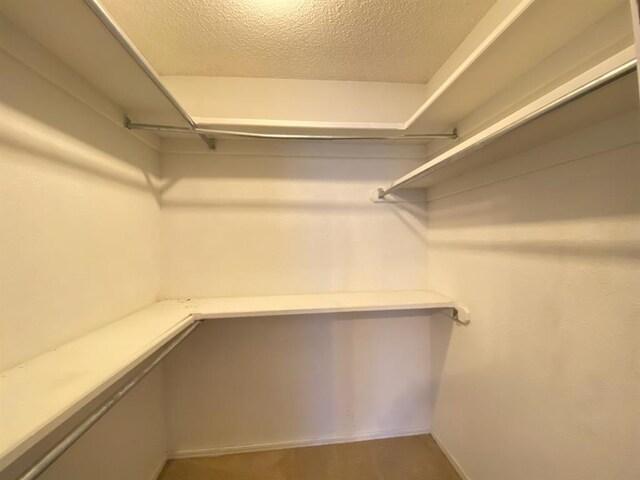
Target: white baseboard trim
451,458
156,475
258,447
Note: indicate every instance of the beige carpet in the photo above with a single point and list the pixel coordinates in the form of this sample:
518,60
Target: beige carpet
402,458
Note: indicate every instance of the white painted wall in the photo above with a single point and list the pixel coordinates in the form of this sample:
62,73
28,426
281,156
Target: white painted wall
285,381
79,223
278,101
544,250
79,228
260,218
272,218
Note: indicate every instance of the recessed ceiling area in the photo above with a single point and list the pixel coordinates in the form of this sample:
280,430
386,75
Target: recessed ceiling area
403,41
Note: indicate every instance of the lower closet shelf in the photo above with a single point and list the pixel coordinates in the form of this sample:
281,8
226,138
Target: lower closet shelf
39,395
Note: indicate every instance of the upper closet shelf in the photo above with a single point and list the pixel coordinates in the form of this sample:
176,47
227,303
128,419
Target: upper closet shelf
494,63
39,395
579,102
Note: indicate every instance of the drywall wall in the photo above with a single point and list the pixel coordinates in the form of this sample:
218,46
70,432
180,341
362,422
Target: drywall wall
79,226
275,218
80,222
260,218
262,383
543,248
297,103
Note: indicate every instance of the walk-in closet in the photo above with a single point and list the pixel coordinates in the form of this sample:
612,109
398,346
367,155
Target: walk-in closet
319,240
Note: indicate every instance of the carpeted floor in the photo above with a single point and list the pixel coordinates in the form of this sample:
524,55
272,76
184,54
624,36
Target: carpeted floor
401,458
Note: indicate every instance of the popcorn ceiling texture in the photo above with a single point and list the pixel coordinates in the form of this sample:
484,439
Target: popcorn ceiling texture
365,40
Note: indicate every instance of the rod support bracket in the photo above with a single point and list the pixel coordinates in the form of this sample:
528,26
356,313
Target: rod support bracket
377,195
459,315
211,142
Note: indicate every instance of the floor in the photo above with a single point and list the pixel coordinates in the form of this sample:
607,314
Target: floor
401,458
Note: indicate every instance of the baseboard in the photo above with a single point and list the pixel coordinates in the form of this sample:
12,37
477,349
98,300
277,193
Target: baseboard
451,458
258,447
156,475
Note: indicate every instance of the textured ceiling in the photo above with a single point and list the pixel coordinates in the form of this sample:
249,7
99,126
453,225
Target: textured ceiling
367,40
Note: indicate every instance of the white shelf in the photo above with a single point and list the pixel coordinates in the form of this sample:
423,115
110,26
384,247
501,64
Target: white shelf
39,395
515,132
504,46
229,307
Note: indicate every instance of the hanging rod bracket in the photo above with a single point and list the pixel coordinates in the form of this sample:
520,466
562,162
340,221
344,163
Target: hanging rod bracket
129,125
211,142
458,315
381,192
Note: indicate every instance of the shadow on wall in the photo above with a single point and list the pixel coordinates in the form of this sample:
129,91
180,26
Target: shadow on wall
441,332
598,185
359,208
598,188
414,217
334,168
629,250
205,180
319,195
49,122
82,158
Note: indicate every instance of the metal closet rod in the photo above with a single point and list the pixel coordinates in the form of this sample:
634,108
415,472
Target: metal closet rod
63,445
282,136
107,20
595,84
